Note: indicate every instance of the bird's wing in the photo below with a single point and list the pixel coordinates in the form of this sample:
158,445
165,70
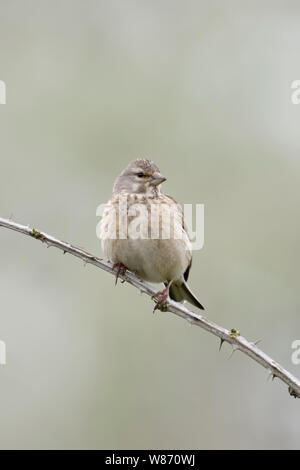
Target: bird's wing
187,271
180,212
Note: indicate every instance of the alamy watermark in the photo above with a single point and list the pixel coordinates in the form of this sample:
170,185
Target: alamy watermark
2,353
295,96
295,357
2,343
162,221
2,92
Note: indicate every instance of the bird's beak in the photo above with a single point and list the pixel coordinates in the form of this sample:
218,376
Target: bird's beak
157,179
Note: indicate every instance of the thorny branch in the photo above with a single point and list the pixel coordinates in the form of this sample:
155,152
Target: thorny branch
233,336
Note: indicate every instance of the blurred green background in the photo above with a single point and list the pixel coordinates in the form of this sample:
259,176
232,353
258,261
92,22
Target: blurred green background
204,89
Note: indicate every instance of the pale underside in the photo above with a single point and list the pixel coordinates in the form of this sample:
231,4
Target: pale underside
163,258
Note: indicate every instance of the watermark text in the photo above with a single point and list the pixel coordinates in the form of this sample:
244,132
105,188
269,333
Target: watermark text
164,221
2,353
295,358
2,92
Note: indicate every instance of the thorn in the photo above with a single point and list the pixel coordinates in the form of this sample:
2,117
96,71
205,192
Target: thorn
222,341
234,348
64,252
257,342
11,217
232,352
269,375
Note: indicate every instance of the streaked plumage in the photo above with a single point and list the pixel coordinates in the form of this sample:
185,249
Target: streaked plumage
168,257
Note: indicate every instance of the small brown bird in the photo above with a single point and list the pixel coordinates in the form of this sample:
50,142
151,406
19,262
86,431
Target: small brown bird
142,230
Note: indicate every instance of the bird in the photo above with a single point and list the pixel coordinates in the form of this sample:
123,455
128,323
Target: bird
142,230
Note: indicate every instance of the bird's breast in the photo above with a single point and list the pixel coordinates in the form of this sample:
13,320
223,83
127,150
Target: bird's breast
147,236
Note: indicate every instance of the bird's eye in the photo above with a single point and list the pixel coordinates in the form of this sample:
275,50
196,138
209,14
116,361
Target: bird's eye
140,175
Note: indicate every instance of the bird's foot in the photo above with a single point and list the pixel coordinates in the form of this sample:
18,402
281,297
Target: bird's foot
161,298
121,270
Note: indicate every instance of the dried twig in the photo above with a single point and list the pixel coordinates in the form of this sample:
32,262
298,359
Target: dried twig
233,336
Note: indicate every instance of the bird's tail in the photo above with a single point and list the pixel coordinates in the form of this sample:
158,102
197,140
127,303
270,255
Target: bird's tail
179,291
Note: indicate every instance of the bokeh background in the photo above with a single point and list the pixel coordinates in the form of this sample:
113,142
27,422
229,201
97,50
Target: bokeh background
204,89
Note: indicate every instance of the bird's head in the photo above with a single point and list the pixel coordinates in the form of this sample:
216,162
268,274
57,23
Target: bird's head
140,177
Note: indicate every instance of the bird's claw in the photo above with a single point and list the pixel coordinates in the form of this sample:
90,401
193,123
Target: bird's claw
121,270
161,298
